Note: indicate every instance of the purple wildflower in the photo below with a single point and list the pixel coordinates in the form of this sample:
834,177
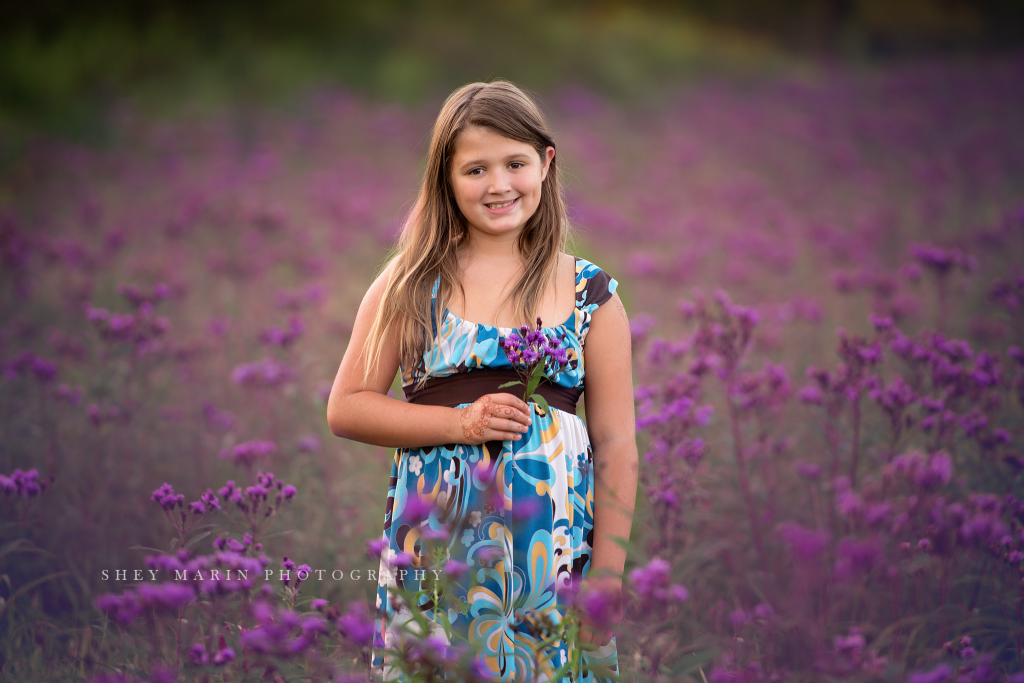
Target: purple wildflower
248,452
70,395
857,556
215,417
811,395
937,675
275,336
24,484
376,546
535,354
122,609
164,596
265,374
598,606
166,497
651,580
356,624
309,444
455,569
942,260
807,544
809,471
207,503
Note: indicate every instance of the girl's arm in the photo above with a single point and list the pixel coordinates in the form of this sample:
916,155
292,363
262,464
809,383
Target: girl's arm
611,424
362,411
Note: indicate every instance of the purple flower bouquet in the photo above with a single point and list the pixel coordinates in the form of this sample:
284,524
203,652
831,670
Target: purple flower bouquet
536,356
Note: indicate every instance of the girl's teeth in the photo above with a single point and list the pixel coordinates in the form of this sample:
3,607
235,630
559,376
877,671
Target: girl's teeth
500,206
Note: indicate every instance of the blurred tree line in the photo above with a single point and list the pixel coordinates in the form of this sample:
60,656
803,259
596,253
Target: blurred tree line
60,57
880,28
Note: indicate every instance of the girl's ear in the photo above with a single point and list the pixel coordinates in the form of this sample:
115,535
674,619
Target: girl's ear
549,154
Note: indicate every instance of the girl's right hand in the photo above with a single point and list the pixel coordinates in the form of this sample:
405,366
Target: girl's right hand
494,417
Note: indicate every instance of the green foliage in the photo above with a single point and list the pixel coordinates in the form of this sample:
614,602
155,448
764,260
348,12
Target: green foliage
62,73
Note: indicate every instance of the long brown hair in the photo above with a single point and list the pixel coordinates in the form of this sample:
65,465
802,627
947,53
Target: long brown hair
428,246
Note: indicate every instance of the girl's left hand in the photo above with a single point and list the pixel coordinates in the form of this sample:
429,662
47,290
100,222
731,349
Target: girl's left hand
600,634
493,417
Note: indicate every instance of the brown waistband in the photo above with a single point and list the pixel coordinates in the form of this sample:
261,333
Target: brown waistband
467,387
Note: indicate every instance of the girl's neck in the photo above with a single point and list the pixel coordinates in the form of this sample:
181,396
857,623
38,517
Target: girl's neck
491,248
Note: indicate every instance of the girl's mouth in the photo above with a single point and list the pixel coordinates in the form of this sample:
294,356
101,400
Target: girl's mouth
501,207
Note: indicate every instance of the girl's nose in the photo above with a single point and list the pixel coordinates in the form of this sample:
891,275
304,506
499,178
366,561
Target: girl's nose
500,183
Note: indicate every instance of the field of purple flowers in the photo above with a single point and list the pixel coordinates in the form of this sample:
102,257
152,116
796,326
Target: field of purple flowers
825,278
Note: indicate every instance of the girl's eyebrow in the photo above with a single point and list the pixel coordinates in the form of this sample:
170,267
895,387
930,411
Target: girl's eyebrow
510,157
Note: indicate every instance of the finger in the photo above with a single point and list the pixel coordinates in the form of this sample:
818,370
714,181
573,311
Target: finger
496,429
519,417
514,426
514,401
494,435
508,425
510,413
499,410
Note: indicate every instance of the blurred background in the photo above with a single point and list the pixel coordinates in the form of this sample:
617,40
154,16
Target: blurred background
194,197
63,63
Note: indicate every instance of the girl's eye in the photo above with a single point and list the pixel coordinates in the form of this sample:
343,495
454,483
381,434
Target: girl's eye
476,171
517,164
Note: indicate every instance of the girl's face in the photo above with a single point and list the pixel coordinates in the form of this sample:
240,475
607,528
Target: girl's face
497,181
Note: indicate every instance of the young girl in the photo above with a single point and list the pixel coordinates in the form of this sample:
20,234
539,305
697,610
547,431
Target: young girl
525,498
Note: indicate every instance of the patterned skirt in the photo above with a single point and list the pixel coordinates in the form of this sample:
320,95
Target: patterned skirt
522,519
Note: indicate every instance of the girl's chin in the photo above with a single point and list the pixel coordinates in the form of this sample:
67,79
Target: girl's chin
503,227
513,218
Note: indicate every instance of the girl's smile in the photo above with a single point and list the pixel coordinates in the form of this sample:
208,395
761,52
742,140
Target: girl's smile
502,207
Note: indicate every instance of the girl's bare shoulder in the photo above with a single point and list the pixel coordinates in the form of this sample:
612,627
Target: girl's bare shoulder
567,262
380,283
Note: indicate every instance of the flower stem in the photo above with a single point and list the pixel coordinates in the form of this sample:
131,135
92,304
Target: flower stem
855,454
741,473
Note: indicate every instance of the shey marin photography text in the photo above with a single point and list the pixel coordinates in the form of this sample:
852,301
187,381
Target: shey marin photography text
213,574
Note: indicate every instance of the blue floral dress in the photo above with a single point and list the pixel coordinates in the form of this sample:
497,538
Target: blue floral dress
523,532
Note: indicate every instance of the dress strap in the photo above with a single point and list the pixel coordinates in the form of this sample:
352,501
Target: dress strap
593,286
433,307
